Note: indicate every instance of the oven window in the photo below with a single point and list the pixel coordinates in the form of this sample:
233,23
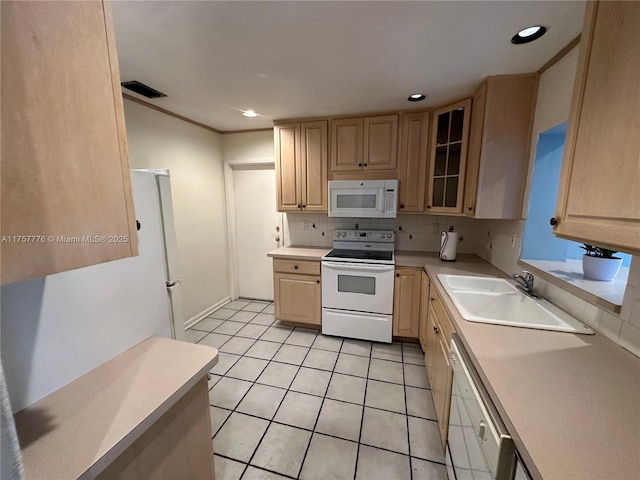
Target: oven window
356,201
355,284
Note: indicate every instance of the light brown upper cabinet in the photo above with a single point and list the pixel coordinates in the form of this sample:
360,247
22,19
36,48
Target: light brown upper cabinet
301,166
65,166
599,195
448,157
363,145
497,165
412,164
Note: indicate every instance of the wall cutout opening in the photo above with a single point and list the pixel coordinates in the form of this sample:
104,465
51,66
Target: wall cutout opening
540,248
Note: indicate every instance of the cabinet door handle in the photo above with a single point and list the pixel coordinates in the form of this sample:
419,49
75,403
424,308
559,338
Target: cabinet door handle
304,206
469,208
553,221
397,275
317,281
428,206
432,299
299,205
402,205
365,164
359,164
295,267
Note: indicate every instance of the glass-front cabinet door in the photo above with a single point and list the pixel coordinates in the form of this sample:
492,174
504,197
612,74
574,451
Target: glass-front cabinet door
449,136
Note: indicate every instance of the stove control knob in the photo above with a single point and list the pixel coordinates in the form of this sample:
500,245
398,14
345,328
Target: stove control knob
344,234
337,234
388,235
382,235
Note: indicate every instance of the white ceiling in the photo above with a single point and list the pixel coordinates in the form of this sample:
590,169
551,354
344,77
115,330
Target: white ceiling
308,58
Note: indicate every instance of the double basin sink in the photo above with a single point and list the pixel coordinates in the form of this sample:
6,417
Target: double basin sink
499,302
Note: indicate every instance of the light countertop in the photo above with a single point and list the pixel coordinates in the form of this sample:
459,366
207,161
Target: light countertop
571,402
299,253
81,428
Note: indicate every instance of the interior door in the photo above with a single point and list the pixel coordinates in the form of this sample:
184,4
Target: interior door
258,226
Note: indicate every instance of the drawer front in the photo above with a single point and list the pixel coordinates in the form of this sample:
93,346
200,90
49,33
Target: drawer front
443,319
303,267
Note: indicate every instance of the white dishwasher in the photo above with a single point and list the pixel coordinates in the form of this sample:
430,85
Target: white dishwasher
480,447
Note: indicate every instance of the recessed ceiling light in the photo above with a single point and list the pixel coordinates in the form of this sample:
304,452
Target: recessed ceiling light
249,113
529,34
416,97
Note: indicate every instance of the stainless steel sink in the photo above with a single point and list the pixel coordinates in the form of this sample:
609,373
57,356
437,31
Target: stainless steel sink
499,302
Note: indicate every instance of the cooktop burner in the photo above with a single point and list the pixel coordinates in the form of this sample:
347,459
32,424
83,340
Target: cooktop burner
340,253
363,246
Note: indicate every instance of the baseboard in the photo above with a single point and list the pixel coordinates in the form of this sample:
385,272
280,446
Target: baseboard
193,320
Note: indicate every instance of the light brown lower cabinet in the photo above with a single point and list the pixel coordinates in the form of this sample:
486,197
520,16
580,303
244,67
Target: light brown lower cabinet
297,291
406,302
439,370
177,445
424,310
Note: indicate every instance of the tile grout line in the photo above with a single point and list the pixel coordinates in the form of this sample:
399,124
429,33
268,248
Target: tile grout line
406,407
324,397
364,400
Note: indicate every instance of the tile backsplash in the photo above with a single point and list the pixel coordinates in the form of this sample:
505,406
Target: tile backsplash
413,232
497,241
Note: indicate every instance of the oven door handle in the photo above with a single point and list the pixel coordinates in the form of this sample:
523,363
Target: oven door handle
359,266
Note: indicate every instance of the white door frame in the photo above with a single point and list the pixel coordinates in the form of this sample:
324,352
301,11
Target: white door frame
229,167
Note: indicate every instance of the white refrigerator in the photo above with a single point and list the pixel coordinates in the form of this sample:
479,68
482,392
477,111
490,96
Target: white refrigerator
173,273
57,328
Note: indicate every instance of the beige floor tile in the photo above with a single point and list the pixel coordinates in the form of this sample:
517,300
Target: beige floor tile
278,374
347,388
291,354
254,473
229,327
261,401
303,338
386,371
207,324
276,334
386,396
237,345
423,469
340,419
193,336
299,410
424,438
251,330
237,304
374,463
228,392
329,458
216,340
225,362
320,359
356,347
309,380
263,349
243,316
247,369
222,313
415,376
227,469
420,403
282,449
325,342
264,319
218,416
385,430
352,365
239,436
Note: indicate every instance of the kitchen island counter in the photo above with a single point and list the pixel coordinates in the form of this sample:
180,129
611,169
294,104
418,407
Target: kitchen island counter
79,430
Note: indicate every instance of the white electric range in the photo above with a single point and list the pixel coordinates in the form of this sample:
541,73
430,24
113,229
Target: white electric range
357,285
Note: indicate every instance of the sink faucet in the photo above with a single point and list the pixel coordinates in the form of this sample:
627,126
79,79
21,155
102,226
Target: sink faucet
525,283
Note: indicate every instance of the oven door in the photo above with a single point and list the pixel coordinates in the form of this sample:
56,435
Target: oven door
360,287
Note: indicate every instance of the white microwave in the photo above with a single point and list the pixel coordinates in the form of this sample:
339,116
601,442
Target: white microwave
363,198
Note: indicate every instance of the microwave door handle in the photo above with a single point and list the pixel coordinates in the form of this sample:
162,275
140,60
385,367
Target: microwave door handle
359,266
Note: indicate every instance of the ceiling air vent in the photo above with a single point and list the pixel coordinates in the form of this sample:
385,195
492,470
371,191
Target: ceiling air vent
142,89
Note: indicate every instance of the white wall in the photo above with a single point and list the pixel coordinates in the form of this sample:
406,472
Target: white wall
248,147
552,108
194,157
